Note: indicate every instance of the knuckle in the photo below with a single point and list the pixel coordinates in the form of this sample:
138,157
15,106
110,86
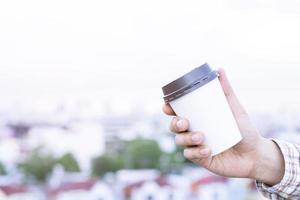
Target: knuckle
184,125
196,138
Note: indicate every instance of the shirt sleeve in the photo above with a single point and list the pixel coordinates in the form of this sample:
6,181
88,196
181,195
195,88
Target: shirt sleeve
289,187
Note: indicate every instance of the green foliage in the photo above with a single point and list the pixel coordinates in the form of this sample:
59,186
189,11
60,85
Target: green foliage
69,163
38,166
136,154
142,154
2,169
173,162
106,163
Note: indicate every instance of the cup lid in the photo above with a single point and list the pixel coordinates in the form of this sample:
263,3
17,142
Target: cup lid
189,82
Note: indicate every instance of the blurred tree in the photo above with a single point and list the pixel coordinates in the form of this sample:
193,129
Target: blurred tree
142,154
106,163
38,166
2,169
173,162
69,163
139,154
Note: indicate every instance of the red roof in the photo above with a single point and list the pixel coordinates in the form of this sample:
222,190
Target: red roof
13,189
70,186
210,179
207,180
127,190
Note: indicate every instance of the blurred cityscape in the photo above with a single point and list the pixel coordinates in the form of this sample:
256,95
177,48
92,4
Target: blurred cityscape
78,151
80,104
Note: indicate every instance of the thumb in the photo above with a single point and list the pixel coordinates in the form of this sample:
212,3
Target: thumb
236,107
242,119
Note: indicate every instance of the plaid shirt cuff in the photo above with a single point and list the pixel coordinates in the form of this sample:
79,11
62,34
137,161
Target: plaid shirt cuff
289,187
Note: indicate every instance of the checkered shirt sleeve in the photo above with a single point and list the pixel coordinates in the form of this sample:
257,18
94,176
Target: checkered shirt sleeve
289,187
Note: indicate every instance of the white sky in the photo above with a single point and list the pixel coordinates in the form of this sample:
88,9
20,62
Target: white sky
62,47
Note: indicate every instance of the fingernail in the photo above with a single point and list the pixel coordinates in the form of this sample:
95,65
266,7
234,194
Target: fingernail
196,137
185,153
204,152
179,124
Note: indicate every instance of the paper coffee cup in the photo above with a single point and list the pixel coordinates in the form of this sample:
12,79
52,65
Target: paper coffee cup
198,96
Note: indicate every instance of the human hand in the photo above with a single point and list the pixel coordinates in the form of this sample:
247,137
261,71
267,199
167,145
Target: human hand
253,157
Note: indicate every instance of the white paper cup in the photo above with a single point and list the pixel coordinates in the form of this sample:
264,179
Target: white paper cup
198,96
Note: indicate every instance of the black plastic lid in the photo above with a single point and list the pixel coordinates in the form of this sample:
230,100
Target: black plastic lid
189,82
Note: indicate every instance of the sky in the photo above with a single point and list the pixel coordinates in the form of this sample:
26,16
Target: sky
125,51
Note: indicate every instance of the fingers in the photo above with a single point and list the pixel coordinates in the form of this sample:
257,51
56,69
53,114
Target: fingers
168,110
232,99
189,139
179,125
200,152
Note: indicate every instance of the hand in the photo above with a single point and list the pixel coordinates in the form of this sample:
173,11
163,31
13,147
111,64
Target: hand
254,157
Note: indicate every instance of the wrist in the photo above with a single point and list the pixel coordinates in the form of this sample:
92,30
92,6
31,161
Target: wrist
269,167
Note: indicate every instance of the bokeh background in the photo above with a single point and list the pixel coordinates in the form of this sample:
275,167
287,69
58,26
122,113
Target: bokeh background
80,92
